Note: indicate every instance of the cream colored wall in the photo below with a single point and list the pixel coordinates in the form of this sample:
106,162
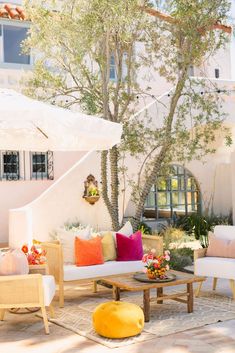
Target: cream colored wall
16,194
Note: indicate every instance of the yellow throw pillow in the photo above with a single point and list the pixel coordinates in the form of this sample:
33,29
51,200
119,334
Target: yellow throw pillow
108,247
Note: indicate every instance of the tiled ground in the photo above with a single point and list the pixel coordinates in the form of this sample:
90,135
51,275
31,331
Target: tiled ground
25,334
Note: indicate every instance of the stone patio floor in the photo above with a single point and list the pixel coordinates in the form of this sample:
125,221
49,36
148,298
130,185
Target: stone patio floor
25,334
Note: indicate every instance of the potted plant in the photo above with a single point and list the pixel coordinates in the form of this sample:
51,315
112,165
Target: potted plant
91,192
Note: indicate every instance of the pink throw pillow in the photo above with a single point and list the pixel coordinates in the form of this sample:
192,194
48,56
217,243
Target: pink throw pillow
129,248
220,247
13,262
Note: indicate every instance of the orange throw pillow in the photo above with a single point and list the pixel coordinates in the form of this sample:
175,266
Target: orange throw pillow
88,252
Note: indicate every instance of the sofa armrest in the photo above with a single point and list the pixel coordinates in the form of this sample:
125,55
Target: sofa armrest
55,261
153,242
199,253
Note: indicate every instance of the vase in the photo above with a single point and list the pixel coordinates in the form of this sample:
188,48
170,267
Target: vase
151,275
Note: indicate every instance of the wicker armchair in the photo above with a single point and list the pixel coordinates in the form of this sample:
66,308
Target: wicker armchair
27,291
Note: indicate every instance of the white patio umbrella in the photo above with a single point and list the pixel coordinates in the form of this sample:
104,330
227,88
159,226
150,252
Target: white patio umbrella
30,125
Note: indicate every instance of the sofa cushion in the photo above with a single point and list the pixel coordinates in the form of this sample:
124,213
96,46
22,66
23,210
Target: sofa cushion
49,288
129,248
220,247
88,252
73,273
125,230
218,267
108,247
67,239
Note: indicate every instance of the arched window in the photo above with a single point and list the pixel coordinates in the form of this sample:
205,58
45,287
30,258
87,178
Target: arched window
176,194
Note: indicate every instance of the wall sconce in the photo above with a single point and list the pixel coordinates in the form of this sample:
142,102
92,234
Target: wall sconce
91,191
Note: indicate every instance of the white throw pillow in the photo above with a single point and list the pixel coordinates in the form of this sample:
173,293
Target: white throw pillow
127,230
67,239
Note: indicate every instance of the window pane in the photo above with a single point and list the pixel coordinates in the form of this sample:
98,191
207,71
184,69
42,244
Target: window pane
12,38
162,184
39,158
174,184
150,202
10,162
162,199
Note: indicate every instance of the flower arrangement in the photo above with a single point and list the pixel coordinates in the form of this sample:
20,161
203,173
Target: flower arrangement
156,266
35,256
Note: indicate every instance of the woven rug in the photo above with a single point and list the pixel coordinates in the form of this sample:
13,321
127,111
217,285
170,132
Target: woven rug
168,318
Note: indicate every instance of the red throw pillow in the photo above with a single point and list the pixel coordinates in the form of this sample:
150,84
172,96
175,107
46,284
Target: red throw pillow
129,248
88,252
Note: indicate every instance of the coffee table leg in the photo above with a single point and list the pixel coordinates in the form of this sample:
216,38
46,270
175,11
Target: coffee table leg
190,297
159,294
116,293
146,300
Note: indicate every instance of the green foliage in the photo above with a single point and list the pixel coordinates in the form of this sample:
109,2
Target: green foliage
172,235
76,43
199,225
144,228
180,258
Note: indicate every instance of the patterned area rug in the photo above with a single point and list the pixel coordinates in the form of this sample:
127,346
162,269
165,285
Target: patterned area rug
168,318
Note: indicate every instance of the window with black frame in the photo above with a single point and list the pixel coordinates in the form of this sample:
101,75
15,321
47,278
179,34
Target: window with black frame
176,194
42,165
12,39
10,168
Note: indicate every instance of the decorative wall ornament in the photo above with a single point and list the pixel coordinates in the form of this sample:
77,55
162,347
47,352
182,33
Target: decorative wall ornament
91,191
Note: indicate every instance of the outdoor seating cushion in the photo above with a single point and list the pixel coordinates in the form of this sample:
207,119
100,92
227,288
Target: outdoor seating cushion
67,239
49,289
88,252
129,248
13,262
73,273
219,247
218,267
118,319
108,247
225,232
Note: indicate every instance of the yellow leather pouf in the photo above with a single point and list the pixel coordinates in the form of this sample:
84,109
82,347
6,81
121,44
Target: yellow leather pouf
118,319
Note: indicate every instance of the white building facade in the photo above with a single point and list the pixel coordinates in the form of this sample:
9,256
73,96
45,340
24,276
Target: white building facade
44,190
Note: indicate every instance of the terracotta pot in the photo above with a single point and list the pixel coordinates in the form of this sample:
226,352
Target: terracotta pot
151,275
91,199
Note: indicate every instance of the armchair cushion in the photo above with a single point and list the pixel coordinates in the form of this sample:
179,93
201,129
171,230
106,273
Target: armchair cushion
225,232
49,289
218,267
220,247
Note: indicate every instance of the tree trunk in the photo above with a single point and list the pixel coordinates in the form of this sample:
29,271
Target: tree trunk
113,154
112,207
159,159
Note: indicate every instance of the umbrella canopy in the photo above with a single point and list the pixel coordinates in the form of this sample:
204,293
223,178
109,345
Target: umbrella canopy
27,124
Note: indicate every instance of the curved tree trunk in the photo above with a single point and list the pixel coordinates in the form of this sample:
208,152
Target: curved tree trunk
159,159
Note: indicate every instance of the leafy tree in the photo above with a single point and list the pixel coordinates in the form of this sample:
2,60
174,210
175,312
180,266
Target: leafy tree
77,40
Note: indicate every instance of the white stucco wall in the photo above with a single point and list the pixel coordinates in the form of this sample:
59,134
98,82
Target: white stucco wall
16,194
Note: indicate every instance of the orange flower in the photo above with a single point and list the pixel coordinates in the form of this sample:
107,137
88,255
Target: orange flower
25,249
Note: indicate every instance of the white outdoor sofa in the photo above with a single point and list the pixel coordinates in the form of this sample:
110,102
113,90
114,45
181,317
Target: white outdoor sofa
216,267
70,273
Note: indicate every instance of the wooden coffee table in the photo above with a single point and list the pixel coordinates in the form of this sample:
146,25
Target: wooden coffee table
128,283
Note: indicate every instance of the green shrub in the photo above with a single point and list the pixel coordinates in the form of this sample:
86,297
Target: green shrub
199,225
144,228
180,258
172,235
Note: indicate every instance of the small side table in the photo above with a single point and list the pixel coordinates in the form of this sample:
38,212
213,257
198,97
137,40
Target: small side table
41,269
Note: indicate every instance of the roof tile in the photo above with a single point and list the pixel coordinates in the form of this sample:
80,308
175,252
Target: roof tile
12,12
